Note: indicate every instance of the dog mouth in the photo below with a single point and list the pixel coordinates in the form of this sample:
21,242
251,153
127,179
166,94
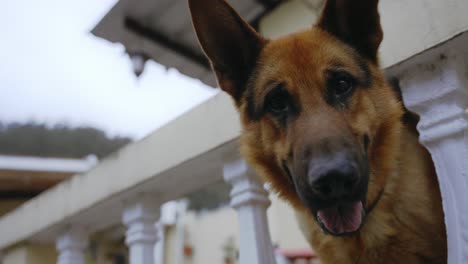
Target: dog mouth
337,216
347,218
341,219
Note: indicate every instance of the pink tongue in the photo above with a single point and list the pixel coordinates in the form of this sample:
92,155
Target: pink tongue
342,218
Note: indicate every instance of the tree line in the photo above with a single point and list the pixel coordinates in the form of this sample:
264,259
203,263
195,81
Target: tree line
32,139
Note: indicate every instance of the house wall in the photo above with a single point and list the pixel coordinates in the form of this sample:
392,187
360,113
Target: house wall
208,233
30,254
41,254
171,252
410,27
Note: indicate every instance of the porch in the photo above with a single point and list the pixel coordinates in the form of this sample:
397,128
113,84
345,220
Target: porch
200,148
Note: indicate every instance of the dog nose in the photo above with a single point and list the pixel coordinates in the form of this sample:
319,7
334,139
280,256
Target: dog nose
333,178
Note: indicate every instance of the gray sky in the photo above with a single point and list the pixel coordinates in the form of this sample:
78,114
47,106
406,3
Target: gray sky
53,70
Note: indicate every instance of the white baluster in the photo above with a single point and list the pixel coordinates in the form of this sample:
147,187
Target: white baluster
435,85
140,217
250,200
71,246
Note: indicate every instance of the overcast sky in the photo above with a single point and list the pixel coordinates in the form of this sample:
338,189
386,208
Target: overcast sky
53,70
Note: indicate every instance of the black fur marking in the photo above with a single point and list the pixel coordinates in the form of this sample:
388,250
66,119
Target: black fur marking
366,142
288,172
408,117
331,98
366,81
250,104
279,92
278,103
395,84
256,108
253,112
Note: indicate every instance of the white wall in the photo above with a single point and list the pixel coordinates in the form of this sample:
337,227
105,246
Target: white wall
410,26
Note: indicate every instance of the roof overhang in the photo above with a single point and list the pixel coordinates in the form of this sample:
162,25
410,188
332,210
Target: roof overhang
25,177
162,31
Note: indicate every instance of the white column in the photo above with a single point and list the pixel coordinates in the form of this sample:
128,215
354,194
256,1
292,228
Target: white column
435,85
250,200
140,217
159,249
71,246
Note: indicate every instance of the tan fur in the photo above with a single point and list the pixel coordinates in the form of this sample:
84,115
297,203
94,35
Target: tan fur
407,224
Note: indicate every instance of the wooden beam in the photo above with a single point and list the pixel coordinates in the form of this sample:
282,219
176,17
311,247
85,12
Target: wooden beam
268,4
18,194
159,38
29,181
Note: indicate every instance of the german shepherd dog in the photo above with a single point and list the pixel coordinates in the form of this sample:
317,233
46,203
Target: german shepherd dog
325,128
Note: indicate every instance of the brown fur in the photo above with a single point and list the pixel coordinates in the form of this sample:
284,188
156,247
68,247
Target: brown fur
406,225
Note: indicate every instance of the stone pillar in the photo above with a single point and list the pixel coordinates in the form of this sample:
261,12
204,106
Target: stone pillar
435,85
250,200
140,217
71,246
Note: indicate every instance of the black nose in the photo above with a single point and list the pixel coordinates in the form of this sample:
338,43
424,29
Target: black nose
333,178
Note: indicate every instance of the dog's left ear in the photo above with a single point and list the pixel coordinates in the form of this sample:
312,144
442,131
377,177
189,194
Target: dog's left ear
356,22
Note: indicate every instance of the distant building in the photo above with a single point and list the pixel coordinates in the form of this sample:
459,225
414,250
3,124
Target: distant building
23,177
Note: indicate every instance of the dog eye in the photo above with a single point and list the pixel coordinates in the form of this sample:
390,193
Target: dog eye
342,86
277,102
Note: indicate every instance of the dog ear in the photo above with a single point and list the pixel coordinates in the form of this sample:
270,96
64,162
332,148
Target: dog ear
356,22
231,44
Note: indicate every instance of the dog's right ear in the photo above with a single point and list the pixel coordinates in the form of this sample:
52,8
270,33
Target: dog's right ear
231,45
356,22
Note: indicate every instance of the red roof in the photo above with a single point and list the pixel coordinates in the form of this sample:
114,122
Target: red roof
296,253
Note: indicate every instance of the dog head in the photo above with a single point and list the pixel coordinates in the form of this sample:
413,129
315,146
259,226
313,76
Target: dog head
319,119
